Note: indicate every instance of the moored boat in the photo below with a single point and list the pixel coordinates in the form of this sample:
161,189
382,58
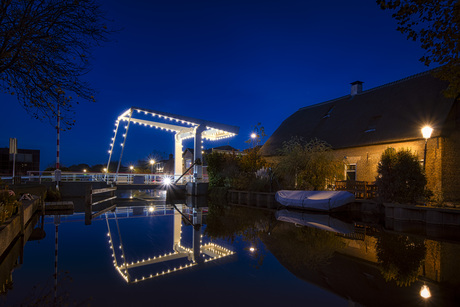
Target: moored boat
314,200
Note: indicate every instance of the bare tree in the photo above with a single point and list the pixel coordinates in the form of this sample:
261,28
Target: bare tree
44,52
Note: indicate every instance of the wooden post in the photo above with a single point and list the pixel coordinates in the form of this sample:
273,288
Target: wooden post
365,189
88,204
21,214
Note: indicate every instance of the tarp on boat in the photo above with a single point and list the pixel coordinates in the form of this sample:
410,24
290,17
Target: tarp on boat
314,200
316,220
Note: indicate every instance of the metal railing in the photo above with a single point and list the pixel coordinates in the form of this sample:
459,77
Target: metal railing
120,178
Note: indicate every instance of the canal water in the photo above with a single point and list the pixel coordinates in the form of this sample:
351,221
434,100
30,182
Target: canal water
151,254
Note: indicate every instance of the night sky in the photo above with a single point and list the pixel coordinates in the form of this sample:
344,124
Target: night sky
234,62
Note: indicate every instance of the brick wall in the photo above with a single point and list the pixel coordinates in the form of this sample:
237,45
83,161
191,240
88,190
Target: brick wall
451,167
367,158
442,162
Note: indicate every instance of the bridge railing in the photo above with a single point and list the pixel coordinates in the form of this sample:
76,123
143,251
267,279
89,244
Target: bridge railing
121,178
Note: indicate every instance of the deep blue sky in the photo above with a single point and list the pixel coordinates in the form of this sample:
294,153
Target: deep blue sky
237,62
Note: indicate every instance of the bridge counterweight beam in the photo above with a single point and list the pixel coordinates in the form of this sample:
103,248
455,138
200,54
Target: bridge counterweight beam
124,143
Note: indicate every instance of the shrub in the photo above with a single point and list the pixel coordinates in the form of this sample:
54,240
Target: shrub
222,168
237,171
400,177
8,205
308,165
52,195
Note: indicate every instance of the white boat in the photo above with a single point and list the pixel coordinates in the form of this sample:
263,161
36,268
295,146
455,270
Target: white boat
316,220
314,200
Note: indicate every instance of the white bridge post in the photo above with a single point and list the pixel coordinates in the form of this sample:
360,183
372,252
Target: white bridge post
177,156
198,169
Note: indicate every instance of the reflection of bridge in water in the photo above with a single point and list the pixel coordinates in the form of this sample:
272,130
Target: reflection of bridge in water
180,258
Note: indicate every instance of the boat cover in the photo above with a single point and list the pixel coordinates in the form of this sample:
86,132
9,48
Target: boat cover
314,200
317,220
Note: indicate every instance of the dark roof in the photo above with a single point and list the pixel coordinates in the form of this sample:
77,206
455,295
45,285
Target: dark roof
225,147
390,113
221,149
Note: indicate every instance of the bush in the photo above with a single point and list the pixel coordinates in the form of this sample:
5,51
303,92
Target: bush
222,168
400,177
241,172
8,204
53,195
309,165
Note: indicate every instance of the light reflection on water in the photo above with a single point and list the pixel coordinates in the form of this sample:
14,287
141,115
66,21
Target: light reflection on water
229,255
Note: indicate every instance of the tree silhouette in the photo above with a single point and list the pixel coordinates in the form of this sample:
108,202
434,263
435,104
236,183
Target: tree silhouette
44,52
435,24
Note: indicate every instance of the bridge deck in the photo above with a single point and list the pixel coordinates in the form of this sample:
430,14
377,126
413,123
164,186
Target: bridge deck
147,186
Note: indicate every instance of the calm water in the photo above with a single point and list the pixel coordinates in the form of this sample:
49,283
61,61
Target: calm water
158,255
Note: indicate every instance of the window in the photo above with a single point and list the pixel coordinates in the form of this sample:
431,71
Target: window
372,125
328,114
21,157
350,172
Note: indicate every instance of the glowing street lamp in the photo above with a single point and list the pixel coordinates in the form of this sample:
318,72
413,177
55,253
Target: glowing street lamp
152,162
426,132
84,171
105,170
131,168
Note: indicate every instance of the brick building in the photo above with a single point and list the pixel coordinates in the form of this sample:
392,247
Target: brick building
26,160
360,126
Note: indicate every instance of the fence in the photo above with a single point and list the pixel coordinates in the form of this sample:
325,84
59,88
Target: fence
90,203
121,178
361,189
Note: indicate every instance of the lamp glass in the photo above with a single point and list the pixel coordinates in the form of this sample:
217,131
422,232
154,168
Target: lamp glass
426,132
425,292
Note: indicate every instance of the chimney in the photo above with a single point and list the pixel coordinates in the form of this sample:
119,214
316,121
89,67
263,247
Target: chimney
356,87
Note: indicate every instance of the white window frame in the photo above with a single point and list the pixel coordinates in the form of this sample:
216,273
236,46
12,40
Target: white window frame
352,171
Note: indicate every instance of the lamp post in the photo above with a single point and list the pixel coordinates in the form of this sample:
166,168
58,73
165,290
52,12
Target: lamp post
426,132
253,137
152,162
